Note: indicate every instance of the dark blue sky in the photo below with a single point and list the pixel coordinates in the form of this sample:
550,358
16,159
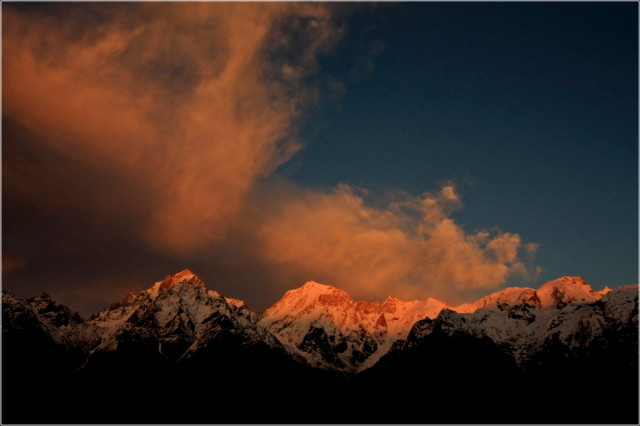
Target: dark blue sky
531,108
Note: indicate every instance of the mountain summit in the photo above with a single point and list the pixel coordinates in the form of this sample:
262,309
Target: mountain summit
329,329
317,323
325,326
317,341
185,276
179,315
566,290
552,294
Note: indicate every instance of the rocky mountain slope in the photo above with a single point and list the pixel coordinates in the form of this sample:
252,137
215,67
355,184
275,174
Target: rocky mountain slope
564,310
317,341
179,315
330,330
523,319
176,340
561,354
316,323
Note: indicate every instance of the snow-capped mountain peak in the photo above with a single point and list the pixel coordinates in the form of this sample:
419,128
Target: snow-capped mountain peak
185,276
181,315
180,330
240,304
509,296
312,285
320,323
390,300
327,327
312,289
353,334
553,294
565,290
309,298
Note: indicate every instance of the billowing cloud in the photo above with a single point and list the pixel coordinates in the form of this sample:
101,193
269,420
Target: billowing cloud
136,142
411,248
190,105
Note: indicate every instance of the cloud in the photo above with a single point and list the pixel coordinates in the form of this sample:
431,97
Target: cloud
411,248
142,138
12,263
189,104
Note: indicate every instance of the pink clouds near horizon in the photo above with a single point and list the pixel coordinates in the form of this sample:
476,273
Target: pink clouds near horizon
373,252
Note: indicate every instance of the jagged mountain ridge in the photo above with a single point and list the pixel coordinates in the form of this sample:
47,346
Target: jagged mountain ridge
330,330
524,328
176,313
181,315
43,315
179,335
544,364
316,323
176,335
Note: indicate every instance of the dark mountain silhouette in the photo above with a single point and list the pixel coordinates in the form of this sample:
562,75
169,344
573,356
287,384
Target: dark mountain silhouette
180,353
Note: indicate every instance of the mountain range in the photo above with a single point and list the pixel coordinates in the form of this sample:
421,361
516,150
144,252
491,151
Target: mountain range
179,352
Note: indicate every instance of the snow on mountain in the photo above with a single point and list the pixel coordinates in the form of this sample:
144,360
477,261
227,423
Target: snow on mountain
506,297
524,320
565,290
400,315
107,322
180,314
42,314
241,308
553,294
330,330
240,304
621,304
556,342
323,325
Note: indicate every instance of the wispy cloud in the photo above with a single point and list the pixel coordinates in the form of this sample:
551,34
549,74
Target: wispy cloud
191,104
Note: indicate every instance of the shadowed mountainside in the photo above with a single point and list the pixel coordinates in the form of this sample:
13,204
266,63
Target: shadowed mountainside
180,353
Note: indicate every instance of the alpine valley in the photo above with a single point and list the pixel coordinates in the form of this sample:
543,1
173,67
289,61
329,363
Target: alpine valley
179,352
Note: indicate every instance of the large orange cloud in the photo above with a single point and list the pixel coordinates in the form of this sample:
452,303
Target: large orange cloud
171,116
410,249
190,102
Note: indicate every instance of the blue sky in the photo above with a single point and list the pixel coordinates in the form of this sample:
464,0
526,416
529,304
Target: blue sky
532,108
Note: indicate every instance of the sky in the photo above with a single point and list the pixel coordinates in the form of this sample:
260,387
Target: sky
419,150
